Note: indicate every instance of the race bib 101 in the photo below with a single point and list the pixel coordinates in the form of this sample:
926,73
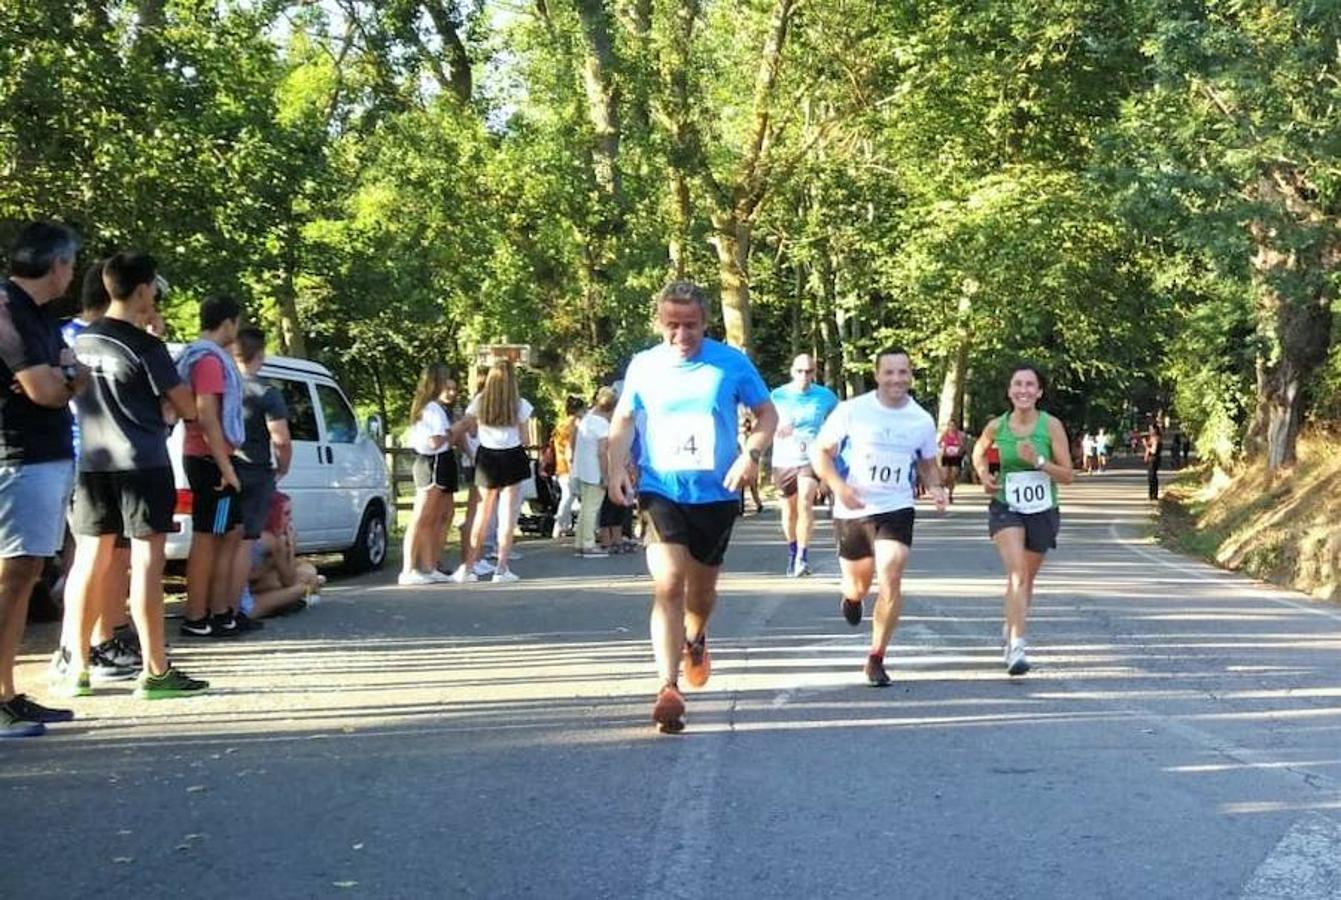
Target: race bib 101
882,470
683,442
1028,492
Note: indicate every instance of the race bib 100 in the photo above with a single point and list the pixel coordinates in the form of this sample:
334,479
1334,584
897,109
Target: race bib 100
683,442
1028,492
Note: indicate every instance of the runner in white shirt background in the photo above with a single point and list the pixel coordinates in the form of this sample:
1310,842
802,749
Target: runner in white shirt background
884,441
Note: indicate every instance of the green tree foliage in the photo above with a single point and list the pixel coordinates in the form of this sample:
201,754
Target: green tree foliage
1140,194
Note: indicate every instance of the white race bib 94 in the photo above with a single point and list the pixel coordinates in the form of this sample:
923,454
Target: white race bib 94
683,442
1028,492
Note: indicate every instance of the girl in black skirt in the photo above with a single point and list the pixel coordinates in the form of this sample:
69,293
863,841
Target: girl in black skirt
501,465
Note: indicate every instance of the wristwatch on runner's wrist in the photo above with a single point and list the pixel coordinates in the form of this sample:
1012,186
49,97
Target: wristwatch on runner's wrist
1040,462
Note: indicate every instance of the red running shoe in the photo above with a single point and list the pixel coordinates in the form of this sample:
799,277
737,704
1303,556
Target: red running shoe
697,662
668,712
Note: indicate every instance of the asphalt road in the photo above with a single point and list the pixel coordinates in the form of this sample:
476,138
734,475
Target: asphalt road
1180,736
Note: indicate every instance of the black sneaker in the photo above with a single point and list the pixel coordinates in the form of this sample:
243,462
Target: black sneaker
124,648
247,623
172,683
105,666
11,726
126,636
26,710
197,627
875,672
852,612
225,625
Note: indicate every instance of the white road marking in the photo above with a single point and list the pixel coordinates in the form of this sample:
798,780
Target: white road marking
1305,865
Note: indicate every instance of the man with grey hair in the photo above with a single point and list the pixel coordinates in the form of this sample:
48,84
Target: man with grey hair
802,406
680,398
38,378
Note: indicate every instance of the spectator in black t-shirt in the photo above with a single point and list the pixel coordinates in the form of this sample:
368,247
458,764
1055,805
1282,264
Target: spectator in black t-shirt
125,484
265,421
38,376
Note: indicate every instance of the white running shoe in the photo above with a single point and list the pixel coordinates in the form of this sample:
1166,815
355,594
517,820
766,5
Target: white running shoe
413,577
483,568
1017,663
438,577
504,576
462,575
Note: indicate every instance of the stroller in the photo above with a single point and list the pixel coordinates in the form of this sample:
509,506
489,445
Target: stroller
540,500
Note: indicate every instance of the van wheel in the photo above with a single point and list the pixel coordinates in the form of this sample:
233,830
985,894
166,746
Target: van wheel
369,550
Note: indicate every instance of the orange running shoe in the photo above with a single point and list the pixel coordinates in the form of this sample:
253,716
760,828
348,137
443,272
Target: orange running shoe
697,662
668,712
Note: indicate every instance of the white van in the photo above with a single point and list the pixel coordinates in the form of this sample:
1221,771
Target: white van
338,478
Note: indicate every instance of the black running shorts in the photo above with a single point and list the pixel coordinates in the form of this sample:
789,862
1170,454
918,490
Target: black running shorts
132,504
214,510
704,528
258,483
857,537
1040,528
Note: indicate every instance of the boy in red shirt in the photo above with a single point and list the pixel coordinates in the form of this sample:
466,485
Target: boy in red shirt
207,456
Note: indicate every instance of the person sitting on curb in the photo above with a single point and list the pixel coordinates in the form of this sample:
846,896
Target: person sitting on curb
279,583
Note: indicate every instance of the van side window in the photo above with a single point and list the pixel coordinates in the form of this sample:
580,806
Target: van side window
302,414
341,426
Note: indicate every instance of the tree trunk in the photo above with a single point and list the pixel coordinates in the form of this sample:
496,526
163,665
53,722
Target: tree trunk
850,329
829,331
951,407
598,80
681,216
1294,315
447,22
291,339
732,242
798,307
639,14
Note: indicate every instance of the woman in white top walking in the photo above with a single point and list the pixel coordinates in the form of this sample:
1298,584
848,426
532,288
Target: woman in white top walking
501,465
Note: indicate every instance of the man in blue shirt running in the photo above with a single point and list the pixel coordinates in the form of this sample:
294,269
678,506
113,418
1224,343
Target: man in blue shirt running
681,397
802,408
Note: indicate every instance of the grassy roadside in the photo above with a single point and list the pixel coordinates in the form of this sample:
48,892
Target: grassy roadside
1285,530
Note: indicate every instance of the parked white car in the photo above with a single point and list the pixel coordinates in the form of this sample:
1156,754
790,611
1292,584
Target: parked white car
338,478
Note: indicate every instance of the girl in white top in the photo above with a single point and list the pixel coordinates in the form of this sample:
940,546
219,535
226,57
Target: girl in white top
499,416
435,477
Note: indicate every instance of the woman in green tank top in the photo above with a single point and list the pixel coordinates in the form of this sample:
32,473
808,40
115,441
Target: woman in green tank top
1022,516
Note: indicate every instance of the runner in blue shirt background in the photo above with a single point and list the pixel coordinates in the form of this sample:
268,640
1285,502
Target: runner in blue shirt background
802,408
681,399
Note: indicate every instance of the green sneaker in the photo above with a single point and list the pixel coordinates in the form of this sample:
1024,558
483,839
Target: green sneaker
64,679
74,684
172,683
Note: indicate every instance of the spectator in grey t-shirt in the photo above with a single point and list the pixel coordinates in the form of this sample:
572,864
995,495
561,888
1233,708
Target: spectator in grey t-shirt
262,458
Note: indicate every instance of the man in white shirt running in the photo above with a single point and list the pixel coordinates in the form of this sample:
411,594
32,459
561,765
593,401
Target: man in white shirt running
882,440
